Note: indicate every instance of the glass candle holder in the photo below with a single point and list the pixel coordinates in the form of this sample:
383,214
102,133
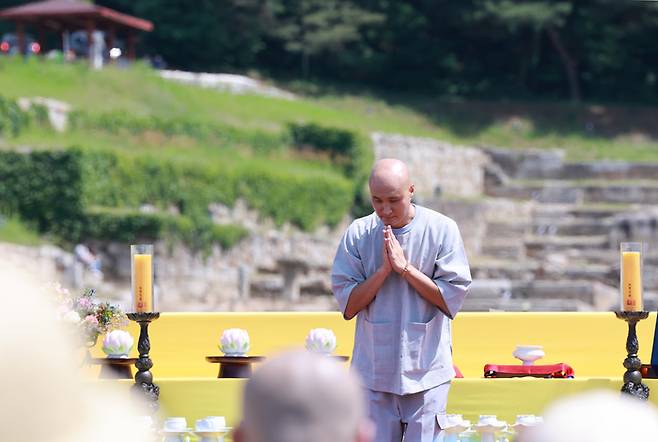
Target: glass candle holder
630,276
141,261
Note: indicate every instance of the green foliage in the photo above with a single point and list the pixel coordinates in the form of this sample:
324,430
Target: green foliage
132,226
124,123
334,140
13,230
311,27
61,192
537,14
12,119
347,148
43,188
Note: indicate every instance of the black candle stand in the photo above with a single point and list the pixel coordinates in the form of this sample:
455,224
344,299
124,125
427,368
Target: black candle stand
633,377
144,385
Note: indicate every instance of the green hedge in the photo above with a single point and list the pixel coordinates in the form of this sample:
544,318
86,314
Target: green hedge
118,122
134,227
330,139
348,149
43,188
302,198
56,190
13,120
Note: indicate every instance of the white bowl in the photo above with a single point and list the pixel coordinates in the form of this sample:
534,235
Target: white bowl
527,420
211,424
528,353
175,425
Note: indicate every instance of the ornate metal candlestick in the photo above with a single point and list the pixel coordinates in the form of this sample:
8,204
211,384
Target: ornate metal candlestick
633,377
144,378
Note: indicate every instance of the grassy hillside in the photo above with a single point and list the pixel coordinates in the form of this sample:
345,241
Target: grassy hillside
199,145
585,131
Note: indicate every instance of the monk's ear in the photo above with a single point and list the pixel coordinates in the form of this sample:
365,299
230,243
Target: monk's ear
411,189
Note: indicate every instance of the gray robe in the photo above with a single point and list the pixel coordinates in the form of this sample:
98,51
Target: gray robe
403,343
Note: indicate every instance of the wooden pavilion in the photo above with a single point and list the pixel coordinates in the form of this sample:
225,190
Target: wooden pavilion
62,16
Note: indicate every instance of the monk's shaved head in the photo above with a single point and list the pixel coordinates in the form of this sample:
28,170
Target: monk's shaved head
390,173
391,192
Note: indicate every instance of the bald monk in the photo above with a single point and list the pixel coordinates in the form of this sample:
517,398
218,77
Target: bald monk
303,397
402,271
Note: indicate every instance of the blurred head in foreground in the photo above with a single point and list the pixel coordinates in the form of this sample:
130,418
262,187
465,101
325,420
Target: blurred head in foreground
299,397
46,397
598,416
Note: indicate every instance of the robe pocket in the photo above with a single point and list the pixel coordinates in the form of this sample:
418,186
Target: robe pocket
382,348
420,341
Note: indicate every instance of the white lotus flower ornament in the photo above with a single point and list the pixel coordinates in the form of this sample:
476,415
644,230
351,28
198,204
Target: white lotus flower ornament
321,340
234,342
117,344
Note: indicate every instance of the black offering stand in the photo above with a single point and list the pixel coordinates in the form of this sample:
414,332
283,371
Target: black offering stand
144,385
633,377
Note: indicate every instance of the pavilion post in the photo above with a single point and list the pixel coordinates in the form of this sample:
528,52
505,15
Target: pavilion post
131,45
20,35
111,36
90,38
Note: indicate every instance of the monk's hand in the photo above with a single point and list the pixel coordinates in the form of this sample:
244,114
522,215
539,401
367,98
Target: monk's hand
386,262
394,250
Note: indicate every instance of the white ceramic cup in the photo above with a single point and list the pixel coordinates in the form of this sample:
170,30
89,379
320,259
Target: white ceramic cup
488,419
216,423
174,424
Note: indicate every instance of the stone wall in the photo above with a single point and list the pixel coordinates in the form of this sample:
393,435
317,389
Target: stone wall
437,168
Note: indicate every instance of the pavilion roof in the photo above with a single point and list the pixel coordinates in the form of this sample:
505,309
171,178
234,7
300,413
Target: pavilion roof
71,11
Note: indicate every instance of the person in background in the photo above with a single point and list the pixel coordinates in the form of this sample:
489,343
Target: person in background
299,396
402,271
596,416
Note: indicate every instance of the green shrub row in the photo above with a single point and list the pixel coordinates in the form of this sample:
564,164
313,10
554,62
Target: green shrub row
118,122
347,148
56,189
330,139
131,226
42,187
13,120
305,199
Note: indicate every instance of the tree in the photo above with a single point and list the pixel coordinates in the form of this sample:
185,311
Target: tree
540,16
311,27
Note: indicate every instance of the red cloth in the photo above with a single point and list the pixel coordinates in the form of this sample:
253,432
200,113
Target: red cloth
560,370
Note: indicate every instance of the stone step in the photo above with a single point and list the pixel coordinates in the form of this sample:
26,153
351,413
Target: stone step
596,272
504,248
526,305
490,289
489,267
570,227
584,211
579,192
549,289
538,245
506,229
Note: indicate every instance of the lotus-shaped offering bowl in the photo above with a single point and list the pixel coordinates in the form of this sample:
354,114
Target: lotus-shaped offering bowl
234,342
528,353
117,344
321,340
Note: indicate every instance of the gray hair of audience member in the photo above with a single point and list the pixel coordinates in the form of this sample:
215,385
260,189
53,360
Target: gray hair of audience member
596,416
299,396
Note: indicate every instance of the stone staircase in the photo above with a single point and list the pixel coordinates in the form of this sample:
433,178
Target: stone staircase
562,253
